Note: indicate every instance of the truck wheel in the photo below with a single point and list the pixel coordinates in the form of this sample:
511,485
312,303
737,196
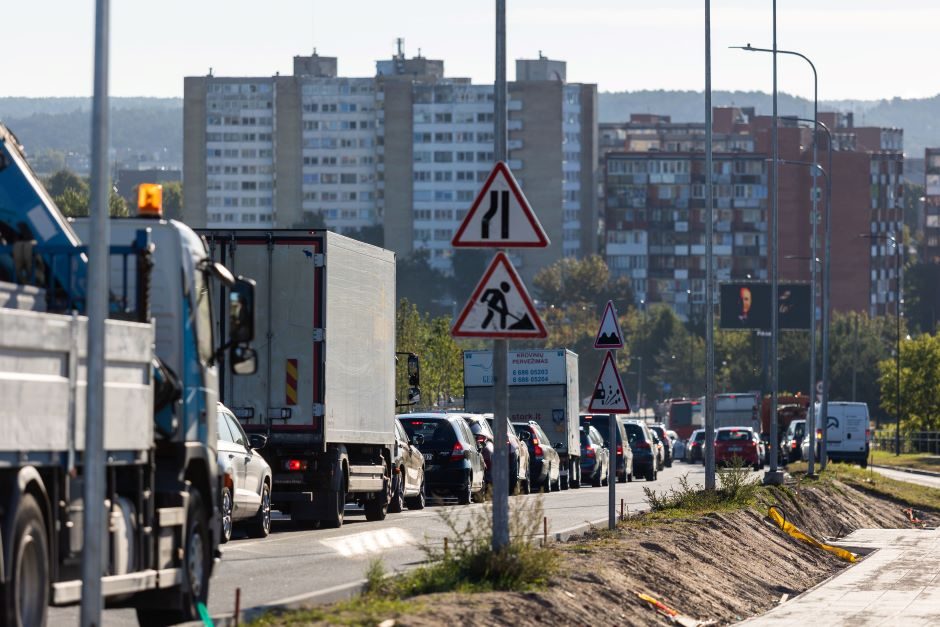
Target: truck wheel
575,474
26,595
261,523
226,534
337,505
197,566
563,482
377,507
416,502
398,493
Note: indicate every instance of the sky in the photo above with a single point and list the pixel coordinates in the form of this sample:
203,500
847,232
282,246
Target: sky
862,49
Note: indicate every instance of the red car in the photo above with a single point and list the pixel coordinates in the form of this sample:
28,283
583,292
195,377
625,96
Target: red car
736,442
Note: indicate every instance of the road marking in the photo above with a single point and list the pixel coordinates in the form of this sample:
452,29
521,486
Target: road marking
369,541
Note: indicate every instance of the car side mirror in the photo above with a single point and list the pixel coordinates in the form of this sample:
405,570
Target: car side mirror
244,360
525,436
418,439
257,441
559,445
241,311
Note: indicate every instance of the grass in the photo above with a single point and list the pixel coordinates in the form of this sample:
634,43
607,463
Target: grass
737,489
919,461
468,564
911,494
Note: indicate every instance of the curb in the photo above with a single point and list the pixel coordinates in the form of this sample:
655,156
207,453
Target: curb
348,590
912,471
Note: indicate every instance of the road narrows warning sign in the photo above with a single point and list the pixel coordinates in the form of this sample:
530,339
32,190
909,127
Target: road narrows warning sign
609,396
500,306
609,334
500,216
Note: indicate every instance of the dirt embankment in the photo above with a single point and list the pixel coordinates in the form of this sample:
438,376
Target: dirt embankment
725,567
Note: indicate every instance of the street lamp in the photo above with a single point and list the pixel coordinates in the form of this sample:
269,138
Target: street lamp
897,304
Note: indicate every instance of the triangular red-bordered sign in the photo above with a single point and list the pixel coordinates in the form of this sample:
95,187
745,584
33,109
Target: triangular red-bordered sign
500,306
609,397
609,334
500,216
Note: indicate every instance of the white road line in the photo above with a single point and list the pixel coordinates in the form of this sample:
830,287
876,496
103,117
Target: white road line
369,542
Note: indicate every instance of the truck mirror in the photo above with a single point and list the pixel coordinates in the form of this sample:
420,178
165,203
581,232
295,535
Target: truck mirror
244,360
414,371
242,311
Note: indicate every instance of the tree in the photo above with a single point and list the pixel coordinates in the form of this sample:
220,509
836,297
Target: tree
921,296
64,180
920,385
173,199
421,284
571,281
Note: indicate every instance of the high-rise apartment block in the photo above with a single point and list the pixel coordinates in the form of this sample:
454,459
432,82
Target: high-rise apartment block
655,201
931,218
406,149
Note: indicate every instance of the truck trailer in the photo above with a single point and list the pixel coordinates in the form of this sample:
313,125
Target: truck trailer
159,423
543,386
324,394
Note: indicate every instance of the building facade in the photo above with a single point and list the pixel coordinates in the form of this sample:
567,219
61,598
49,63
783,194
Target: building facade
930,251
654,206
406,149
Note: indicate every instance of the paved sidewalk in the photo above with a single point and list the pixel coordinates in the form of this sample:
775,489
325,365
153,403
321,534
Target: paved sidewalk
898,583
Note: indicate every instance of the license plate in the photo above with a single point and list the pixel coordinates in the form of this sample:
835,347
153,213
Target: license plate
428,456
431,468
734,449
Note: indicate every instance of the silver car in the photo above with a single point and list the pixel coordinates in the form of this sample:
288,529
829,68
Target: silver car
246,497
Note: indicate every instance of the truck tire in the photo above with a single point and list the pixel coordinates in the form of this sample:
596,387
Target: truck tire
377,507
563,482
337,505
398,493
226,512
260,525
197,566
26,595
575,474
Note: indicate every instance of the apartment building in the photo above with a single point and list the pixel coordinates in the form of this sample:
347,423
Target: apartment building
406,149
654,205
930,251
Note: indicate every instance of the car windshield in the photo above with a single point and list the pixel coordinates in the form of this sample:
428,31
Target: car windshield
434,430
733,436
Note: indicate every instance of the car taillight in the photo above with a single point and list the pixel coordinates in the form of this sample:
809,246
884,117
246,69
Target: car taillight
481,439
620,449
793,444
589,451
867,434
295,465
457,452
536,447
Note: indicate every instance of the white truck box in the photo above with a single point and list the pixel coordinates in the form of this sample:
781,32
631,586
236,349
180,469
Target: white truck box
325,336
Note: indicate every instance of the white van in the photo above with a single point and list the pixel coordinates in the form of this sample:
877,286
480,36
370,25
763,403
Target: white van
848,432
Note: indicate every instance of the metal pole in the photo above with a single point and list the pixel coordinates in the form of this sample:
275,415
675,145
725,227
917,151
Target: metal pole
897,307
854,353
827,245
639,386
709,457
94,544
500,347
773,476
811,461
612,471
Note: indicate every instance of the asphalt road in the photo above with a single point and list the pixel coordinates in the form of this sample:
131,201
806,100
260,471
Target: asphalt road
292,564
910,477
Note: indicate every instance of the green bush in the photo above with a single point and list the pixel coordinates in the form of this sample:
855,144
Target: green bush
737,488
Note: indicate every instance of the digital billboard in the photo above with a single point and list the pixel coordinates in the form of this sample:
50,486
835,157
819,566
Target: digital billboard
747,305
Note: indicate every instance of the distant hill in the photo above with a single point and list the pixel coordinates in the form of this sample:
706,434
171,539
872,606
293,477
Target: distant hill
138,125
155,125
919,117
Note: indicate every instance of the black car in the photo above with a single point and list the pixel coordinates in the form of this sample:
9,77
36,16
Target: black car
643,443
595,458
624,455
544,461
660,430
453,462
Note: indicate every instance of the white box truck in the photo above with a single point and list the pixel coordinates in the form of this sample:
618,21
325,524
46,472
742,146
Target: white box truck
543,386
324,393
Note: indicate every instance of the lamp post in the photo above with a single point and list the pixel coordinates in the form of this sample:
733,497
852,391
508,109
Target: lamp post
897,357
811,422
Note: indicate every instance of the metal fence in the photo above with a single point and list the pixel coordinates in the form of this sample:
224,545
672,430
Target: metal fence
911,442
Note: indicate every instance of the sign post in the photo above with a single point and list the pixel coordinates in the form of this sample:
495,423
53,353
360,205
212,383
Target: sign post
500,307
610,397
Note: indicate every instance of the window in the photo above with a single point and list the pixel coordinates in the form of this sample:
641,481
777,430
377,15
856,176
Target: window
222,429
237,433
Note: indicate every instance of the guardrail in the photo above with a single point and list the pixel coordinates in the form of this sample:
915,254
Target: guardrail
911,442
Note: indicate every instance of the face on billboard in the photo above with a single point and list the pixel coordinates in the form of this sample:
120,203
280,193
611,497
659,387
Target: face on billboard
747,306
